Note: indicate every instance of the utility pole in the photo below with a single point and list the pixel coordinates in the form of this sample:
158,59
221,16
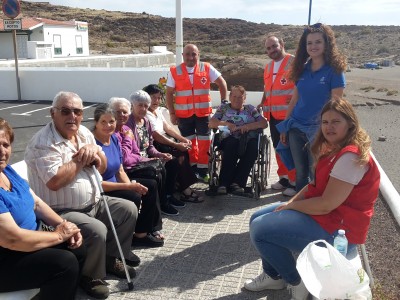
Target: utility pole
309,12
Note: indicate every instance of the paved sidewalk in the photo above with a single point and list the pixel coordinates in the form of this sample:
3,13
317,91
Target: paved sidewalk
207,253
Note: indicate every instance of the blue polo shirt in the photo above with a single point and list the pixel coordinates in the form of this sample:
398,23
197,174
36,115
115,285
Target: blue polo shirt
314,90
114,158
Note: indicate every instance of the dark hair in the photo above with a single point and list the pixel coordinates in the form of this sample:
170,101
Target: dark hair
152,89
102,109
5,126
332,55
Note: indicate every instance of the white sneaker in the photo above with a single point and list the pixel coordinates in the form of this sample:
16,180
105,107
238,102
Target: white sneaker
281,184
299,292
290,192
264,282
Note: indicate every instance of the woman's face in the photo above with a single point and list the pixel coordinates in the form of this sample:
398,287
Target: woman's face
139,109
155,101
122,113
5,150
106,125
237,99
334,127
315,44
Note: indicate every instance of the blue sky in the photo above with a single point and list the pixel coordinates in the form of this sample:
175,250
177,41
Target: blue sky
333,12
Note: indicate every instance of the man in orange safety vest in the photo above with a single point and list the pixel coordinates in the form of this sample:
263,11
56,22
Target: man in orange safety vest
278,91
189,104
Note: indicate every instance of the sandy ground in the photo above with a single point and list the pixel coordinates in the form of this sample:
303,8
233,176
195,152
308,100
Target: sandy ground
379,115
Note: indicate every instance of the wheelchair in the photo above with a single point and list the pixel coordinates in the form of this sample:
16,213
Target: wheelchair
258,175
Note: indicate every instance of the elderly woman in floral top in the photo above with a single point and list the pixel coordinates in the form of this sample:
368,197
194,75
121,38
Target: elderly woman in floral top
239,119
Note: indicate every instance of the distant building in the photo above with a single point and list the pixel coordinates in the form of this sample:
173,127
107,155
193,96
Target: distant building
44,38
387,63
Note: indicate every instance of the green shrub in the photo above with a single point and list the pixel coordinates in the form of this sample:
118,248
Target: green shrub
118,38
382,90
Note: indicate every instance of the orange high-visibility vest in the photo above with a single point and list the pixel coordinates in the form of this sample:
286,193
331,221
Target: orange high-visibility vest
277,93
192,99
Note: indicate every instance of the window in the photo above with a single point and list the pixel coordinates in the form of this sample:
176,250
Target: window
57,44
78,42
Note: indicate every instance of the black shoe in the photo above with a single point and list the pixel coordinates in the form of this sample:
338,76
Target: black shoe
169,210
147,241
133,260
96,288
236,189
175,202
115,267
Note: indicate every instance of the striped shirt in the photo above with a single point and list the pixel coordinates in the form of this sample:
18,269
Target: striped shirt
45,153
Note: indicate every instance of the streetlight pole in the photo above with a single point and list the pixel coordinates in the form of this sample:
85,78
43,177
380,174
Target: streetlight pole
309,12
148,30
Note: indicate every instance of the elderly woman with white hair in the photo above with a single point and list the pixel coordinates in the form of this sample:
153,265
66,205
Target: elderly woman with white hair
139,154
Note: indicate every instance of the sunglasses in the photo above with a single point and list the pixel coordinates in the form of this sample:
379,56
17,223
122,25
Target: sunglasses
312,28
67,111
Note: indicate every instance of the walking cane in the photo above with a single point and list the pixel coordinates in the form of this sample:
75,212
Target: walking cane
98,179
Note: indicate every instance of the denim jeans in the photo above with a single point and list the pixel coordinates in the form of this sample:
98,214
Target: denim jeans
302,158
277,235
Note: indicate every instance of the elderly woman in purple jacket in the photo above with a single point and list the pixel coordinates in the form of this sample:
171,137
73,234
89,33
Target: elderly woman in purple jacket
135,134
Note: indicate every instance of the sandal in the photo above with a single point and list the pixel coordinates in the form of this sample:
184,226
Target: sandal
193,197
158,235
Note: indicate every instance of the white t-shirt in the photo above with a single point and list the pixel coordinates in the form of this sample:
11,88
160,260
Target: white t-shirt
348,170
277,64
156,121
214,74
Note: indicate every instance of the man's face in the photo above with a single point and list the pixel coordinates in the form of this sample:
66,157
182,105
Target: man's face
274,49
67,116
191,56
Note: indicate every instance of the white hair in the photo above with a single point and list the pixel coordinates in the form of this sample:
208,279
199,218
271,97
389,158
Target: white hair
140,96
117,100
65,95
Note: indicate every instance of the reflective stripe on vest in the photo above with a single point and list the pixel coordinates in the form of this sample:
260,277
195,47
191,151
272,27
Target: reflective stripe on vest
279,93
275,108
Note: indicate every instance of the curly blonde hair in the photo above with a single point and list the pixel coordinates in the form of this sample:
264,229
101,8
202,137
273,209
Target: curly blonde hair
332,55
355,136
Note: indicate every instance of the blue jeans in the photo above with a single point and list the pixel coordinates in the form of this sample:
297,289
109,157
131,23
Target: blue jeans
302,158
277,235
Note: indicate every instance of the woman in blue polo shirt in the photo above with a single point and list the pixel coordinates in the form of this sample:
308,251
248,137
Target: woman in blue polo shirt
318,70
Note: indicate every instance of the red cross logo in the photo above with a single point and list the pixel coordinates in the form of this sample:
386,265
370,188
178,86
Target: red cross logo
283,81
203,80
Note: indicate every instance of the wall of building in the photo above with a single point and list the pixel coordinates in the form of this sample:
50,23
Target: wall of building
6,45
68,41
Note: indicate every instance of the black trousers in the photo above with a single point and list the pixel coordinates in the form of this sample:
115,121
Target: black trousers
56,271
146,203
185,176
232,170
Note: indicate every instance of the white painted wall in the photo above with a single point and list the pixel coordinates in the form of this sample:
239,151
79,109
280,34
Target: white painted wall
68,42
92,84
6,45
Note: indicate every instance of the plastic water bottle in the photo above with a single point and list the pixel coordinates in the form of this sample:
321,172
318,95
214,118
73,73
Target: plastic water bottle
340,242
225,132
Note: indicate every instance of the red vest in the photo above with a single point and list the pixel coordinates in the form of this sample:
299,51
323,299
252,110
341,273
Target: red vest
192,99
279,92
355,213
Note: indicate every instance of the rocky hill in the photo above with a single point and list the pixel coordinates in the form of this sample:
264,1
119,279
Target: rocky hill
234,46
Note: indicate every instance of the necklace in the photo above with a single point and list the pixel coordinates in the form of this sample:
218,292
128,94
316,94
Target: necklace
2,180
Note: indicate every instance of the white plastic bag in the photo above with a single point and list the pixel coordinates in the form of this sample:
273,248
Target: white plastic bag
327,274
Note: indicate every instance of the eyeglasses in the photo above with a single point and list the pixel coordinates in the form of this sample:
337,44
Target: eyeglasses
67,111
313,28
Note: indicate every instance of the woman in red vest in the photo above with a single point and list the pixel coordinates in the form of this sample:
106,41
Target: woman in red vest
342,196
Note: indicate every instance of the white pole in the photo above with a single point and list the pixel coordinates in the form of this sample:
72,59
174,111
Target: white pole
179,33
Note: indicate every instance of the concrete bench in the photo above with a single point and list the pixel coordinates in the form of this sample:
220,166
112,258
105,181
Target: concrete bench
20,168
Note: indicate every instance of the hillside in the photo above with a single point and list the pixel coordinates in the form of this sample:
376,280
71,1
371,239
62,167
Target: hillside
234,46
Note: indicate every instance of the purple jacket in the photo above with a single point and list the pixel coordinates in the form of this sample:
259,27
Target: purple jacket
131,147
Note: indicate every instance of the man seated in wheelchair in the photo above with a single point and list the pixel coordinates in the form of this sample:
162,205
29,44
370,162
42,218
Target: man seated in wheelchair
239,126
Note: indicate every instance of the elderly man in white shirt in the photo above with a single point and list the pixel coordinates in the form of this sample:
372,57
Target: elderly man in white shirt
59,159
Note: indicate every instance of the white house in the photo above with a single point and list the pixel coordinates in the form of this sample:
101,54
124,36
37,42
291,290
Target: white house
45,38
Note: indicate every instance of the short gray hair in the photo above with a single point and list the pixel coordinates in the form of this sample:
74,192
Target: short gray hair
140,96
65,95
117,100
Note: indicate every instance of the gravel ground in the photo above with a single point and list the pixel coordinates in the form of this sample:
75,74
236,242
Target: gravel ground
379,115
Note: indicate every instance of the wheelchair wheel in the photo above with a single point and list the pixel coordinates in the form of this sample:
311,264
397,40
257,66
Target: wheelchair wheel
265,160
257,189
